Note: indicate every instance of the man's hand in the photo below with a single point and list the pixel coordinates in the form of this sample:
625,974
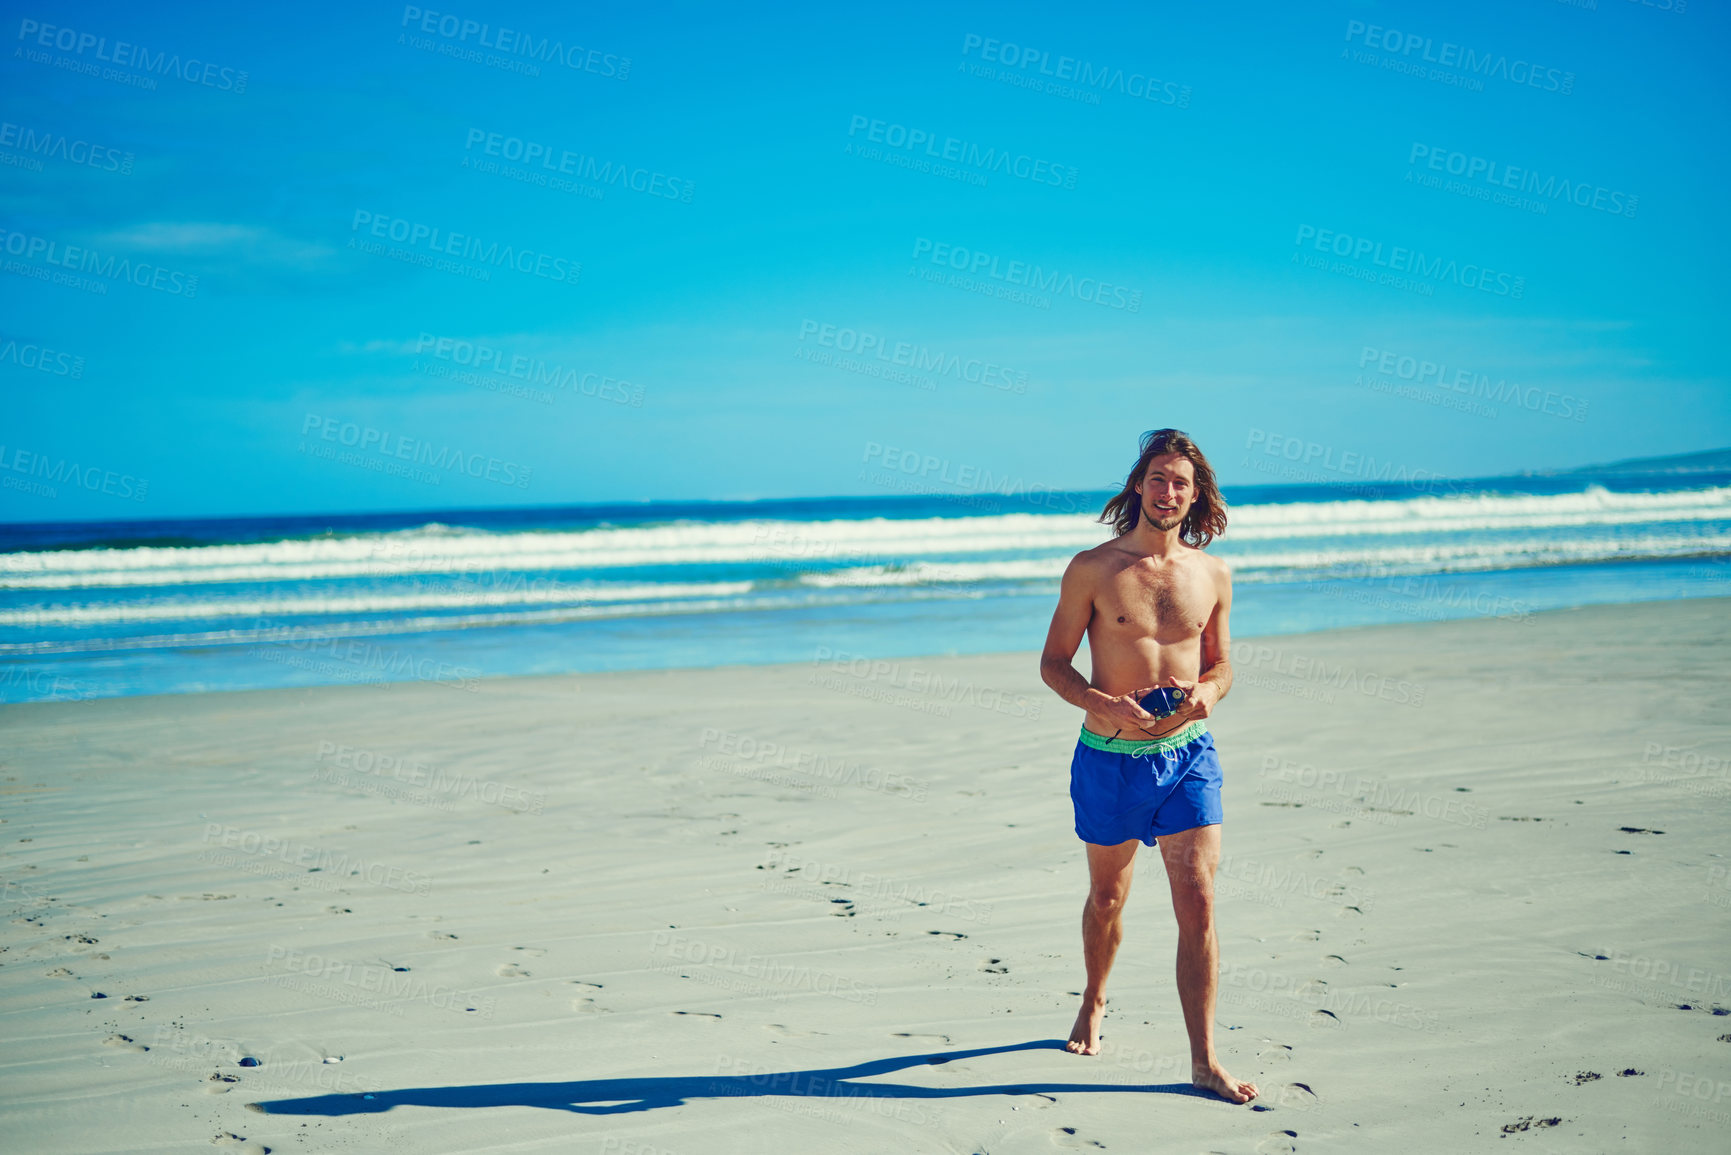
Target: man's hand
1200,698
1126,711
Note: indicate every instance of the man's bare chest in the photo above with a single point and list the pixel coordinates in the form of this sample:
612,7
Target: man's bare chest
1166,601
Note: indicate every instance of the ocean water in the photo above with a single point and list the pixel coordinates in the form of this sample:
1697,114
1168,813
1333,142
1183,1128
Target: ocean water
146,607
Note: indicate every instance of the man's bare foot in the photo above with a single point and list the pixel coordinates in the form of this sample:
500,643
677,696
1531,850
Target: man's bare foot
1214,1078
1085,1035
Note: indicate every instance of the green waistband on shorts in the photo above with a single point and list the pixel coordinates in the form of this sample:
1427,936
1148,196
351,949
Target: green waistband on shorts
1180,737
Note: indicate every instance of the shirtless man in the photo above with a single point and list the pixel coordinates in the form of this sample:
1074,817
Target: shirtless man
1154,608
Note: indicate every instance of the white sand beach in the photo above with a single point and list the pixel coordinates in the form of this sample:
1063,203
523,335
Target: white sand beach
1475,895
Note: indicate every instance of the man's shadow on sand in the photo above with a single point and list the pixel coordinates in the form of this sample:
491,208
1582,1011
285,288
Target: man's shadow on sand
623,1096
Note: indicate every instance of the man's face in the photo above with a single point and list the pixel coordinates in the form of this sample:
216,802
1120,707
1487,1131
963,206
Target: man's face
1167,490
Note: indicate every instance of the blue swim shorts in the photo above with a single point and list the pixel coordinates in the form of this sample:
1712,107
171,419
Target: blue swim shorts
1123,789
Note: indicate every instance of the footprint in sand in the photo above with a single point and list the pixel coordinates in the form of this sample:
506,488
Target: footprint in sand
1296,1095
948,934
1349,912
60,973
124,1042
1528,1124
1328,1019
699,1014
239,1144
440,934
1333,960
220,1084
1066,1137
585,1006
1278,1143
511,971
1275,1052
1317,987
994,966
1307,936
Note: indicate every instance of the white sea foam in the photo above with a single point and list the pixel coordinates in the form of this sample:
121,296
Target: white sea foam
442,550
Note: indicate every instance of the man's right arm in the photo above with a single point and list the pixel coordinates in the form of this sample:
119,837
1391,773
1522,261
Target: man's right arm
1069,623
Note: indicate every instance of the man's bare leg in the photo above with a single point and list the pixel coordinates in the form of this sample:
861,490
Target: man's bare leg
1191,857
1110,869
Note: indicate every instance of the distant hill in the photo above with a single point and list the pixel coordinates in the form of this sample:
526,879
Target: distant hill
1707,461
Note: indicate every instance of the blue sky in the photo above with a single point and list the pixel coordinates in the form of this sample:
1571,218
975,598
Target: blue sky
695,354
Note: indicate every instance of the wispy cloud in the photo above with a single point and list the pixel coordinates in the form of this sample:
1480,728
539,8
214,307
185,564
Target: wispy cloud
251,243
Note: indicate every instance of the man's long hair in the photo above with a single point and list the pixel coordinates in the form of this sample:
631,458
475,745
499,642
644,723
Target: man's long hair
1207,517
